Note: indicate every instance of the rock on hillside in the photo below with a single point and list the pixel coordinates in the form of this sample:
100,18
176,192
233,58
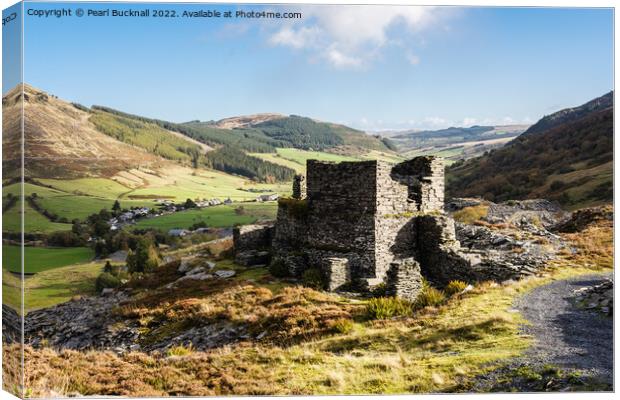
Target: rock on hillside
580,219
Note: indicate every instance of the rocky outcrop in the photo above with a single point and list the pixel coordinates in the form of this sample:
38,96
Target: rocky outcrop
456,204
11,325
581,219
538,212
599,297
81,324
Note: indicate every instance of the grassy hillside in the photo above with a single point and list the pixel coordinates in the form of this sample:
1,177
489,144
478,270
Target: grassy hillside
571,114
294,131
234,161
52,286
34,222
60,141
296,158
218,216
570,162
206,133
37,259
148,136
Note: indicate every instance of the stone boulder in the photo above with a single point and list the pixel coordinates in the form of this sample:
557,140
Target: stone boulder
252,258
599,297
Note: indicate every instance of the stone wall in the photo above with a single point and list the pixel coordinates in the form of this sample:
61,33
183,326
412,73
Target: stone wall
299,187
290,236
439,252
404,279
252,237
395,208
425,176
250,243
341,210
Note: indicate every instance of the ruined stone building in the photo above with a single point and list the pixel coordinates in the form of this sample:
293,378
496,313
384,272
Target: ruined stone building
366,223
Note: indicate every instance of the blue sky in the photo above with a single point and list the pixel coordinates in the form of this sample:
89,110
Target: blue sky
369,67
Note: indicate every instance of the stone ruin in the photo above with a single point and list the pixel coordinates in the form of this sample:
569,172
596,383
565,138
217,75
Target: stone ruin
365,224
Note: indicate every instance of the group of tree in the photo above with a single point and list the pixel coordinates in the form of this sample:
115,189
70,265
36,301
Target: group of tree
251,141
147,135
235,161
301,133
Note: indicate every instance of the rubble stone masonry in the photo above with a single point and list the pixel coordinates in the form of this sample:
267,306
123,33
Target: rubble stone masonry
368,223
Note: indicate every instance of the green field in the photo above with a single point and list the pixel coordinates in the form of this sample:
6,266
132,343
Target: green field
182,184
301,156
453,152
393,158
34,222
98,187
218,216
50,287
296,158
39,259
79,198
71,204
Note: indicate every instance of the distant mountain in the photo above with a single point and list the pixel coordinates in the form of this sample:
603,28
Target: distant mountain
456,135
455,143
566,156
571,114
296,131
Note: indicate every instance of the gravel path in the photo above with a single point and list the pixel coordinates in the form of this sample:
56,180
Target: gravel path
564,335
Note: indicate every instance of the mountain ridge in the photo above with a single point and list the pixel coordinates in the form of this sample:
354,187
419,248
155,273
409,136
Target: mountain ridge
571,114
567,158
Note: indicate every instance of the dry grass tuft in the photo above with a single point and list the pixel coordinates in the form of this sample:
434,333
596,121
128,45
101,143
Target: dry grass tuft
470,215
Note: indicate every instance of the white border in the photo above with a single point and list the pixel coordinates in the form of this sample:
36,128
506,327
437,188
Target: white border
481,3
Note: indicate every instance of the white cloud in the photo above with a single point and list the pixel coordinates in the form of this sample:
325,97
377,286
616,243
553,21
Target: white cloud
297,39
352,36
436,122
412,58
468,121
342,60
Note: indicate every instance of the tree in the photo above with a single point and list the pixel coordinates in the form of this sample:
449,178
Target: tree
189,203
117,206
107,267
100,228
144,258
78,228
